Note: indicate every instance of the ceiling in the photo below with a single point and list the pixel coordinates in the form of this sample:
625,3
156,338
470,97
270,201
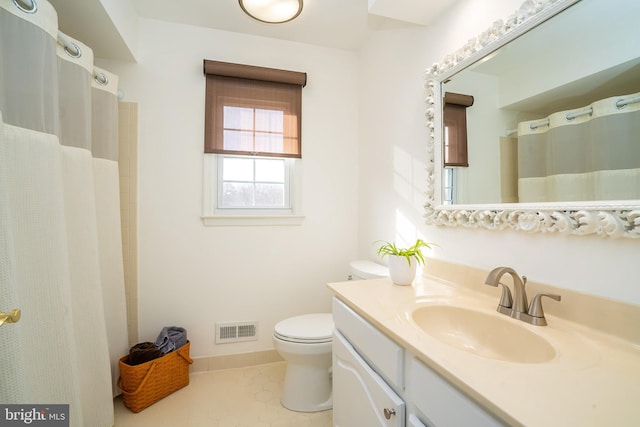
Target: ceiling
341,24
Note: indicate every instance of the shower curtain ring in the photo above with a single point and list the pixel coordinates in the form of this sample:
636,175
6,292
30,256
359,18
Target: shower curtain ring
73,50
27,6
101,78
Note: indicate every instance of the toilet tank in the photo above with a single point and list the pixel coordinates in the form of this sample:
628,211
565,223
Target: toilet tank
365,269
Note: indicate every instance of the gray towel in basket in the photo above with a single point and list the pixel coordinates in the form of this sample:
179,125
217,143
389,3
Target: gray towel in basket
171,338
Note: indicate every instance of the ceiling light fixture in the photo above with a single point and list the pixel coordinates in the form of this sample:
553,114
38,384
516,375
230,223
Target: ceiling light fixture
272,11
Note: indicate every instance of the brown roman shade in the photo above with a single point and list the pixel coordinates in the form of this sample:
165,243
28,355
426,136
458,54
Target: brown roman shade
455,122
253,110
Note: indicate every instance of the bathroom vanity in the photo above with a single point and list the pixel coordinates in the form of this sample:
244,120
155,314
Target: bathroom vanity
369,373
394,366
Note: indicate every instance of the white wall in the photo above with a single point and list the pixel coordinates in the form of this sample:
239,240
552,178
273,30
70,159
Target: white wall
125,19
193,276
392,105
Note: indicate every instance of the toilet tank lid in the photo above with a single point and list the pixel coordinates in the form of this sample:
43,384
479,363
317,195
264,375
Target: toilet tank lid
368,269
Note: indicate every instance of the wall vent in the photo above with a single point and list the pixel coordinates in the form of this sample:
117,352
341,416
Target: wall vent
227,332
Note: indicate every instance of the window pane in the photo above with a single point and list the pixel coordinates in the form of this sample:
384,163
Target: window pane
269,120
447,194
237,118
238,141
237,195
446,144
253,182
269,142
270,170
237,169
270,195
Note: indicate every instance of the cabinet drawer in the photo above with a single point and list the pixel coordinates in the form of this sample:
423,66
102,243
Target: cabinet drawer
441,403
381,352
360,396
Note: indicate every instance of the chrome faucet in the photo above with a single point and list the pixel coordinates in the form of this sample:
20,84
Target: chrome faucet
516,307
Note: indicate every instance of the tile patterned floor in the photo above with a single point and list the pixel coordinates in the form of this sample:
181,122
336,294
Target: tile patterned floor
243,397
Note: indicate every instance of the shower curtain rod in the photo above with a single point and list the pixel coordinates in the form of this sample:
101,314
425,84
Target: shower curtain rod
624,102
534,126
570,116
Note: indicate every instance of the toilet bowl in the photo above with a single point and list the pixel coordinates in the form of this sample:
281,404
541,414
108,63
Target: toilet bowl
304,342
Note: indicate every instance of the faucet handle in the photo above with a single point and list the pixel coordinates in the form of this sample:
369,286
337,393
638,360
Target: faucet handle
535,309
506,302
505,298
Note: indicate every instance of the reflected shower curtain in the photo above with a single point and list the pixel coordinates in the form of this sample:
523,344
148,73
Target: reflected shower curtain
508,169
588,154
60,241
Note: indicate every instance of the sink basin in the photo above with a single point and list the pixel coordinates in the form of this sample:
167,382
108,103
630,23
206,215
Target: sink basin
493,336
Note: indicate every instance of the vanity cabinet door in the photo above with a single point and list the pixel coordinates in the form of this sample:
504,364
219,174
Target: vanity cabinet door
360,396
385,356
440,403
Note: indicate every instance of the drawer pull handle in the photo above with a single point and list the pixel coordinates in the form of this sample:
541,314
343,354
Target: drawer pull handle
388,413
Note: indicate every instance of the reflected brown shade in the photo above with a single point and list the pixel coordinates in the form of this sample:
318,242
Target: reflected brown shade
455,122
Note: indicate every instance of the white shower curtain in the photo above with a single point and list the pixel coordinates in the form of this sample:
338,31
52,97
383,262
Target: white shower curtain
592,153
36,364
106,181
60,241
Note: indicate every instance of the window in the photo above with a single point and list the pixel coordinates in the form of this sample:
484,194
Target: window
253,182
247,128
252,142
448,185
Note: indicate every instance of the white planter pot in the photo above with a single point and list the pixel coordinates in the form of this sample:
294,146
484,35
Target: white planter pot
400,271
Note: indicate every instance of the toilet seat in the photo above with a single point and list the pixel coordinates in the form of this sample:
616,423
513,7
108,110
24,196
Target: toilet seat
306,329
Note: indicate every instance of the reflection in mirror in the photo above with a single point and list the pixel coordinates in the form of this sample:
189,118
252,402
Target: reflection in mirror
553,133
522,147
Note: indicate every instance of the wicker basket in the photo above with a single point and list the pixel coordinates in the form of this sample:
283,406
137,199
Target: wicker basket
144,384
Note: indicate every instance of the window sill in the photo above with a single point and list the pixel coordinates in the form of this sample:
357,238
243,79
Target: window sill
245,220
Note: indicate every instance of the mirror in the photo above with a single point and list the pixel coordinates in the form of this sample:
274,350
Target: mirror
548,60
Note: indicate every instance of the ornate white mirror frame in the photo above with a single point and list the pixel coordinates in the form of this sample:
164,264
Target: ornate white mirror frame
606,219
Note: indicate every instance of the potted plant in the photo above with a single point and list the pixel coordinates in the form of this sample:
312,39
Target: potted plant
403,261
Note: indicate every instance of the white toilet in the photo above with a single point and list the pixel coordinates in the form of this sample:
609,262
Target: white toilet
365,269
305,343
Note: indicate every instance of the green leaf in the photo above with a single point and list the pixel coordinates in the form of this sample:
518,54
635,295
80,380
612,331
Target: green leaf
414,251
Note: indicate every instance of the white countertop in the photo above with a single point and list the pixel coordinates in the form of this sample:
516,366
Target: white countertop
593,380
